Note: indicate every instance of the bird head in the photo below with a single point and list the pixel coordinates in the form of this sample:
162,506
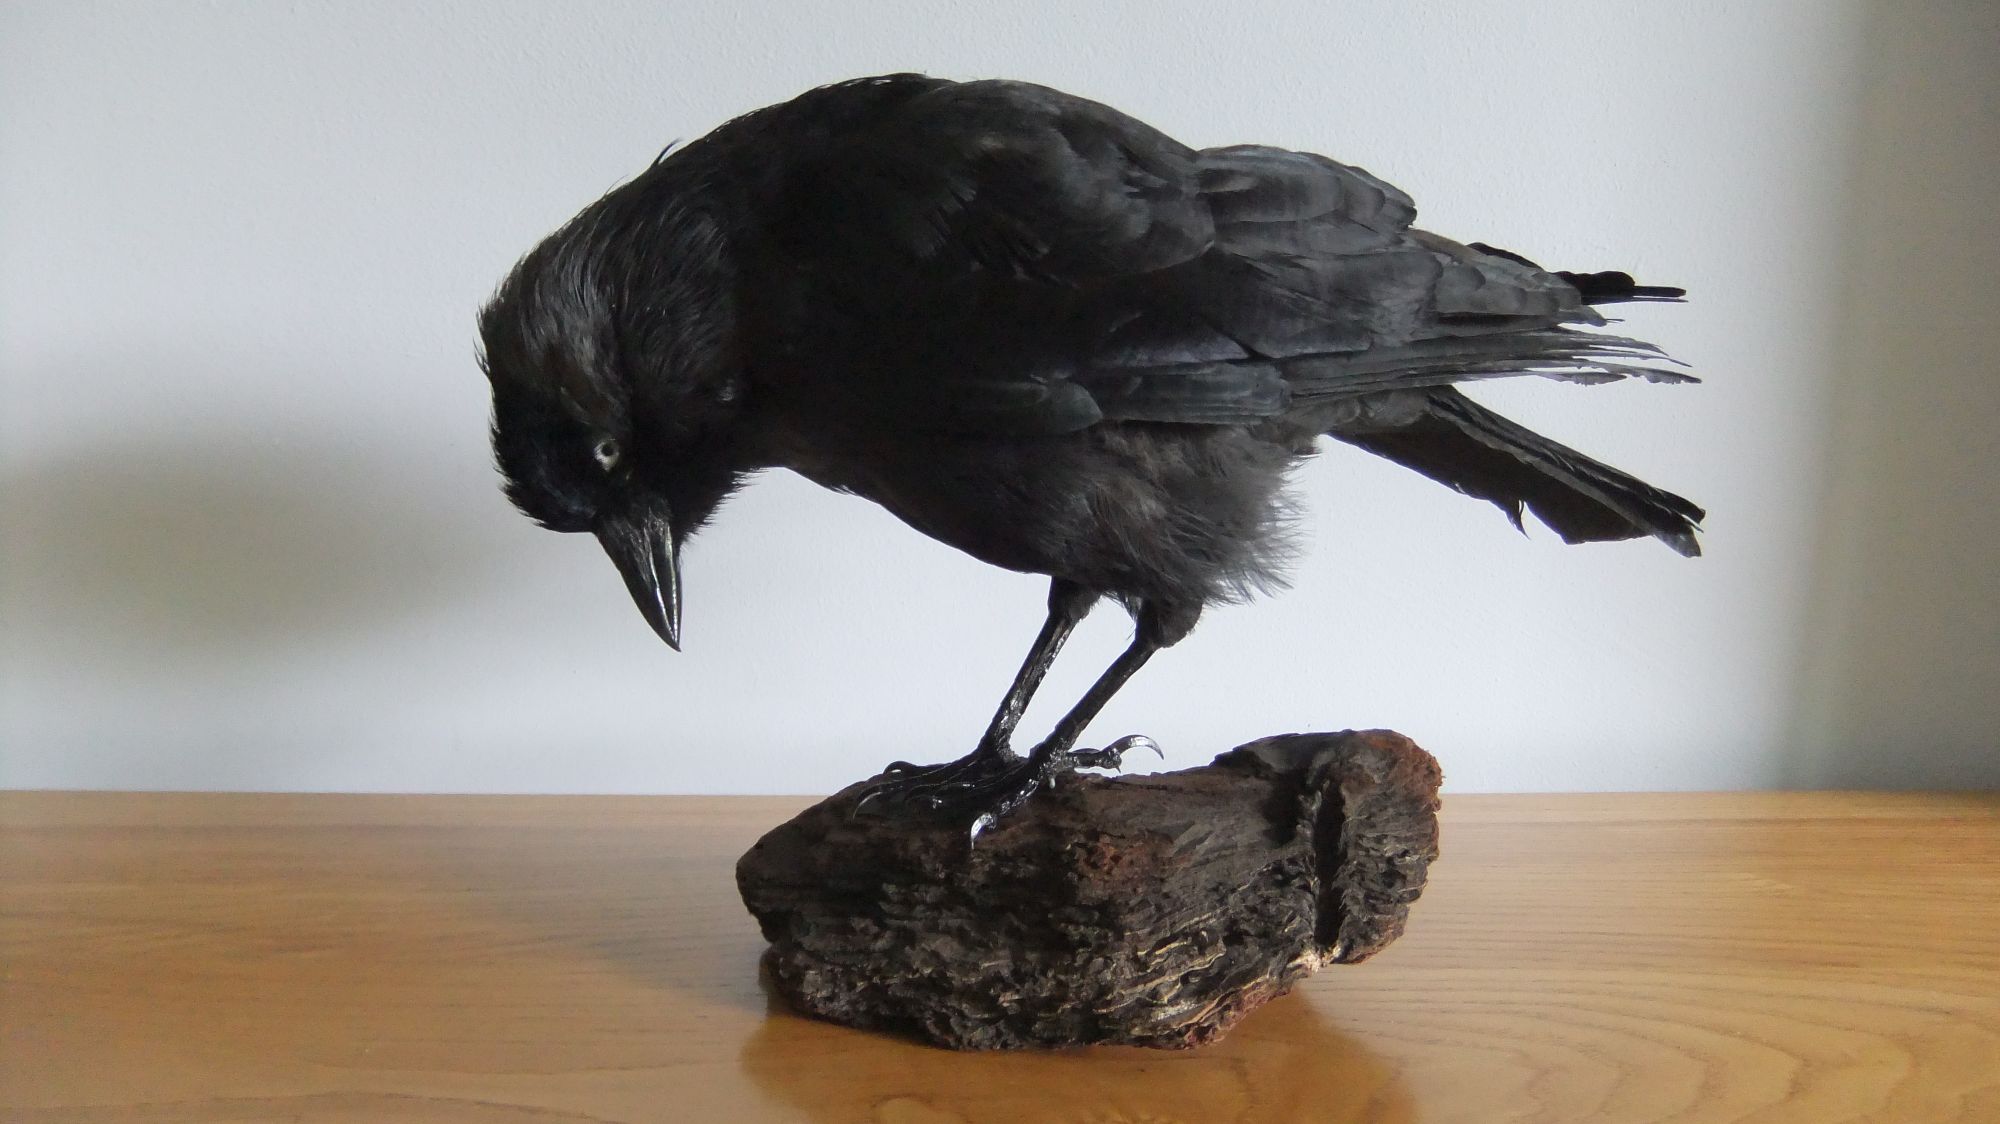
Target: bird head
610,422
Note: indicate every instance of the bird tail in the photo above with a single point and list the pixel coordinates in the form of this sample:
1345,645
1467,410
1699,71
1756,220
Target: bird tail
1610,286
1613,286
1555,353
1473,450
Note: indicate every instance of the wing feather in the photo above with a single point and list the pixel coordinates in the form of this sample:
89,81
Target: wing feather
1051,263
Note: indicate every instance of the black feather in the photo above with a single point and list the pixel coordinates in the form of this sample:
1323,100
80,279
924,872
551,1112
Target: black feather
1471,449
1604,287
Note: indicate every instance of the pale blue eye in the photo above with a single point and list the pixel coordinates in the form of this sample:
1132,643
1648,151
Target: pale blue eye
606,451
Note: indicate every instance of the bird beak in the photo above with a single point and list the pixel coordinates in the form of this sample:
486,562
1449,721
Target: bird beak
640,541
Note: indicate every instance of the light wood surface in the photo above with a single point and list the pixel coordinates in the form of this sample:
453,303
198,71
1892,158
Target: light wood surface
476,960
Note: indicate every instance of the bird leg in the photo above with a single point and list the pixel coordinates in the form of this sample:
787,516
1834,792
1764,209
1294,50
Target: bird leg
904,782
1057,755
1069,603
995,792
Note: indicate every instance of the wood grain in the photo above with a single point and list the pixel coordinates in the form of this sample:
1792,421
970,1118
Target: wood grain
480,960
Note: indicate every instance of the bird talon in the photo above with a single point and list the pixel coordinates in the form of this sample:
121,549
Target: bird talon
862,801
1130,742
1112,756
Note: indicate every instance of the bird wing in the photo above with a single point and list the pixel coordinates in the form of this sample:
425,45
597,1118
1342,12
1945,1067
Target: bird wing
1006,257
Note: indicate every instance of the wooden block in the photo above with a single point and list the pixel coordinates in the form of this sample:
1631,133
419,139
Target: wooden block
1148,910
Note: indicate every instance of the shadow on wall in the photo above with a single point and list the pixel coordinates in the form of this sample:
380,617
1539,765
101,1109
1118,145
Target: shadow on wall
1900,683
224,546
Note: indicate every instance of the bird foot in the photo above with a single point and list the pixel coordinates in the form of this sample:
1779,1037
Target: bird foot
987,785
905,785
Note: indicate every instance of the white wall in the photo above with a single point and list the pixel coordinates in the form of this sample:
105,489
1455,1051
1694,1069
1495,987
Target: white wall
252,539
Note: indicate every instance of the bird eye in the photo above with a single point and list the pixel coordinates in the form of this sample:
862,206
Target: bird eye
606,451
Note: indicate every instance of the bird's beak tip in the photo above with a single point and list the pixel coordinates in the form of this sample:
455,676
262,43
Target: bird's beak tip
640,543
666,626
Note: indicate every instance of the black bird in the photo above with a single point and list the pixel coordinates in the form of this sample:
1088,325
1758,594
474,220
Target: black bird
1043,332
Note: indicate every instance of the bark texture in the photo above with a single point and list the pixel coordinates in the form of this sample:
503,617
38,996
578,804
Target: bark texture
1149,910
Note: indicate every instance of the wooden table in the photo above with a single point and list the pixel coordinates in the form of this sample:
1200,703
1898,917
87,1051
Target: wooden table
500,960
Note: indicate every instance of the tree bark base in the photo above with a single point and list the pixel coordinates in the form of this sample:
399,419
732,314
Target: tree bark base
1148,910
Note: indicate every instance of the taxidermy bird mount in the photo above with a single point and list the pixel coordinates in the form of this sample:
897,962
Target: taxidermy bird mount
1045,333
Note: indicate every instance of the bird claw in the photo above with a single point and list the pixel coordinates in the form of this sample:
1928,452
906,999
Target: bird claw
1112,756
902,784
987,787
986,784
1130,742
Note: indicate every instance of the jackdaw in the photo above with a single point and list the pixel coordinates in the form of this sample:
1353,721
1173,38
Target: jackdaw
1044,333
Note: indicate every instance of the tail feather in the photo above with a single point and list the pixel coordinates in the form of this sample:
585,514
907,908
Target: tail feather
1473,450
1613,286
1557,353
1608,286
